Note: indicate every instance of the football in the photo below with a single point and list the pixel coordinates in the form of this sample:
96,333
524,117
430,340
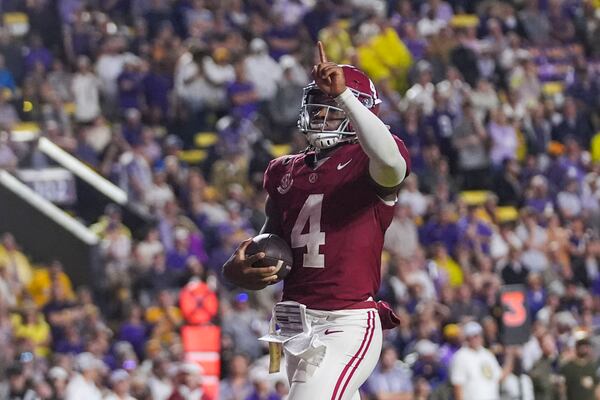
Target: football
277,253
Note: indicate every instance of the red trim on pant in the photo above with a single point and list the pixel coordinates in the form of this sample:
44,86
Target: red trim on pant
362,357
367,338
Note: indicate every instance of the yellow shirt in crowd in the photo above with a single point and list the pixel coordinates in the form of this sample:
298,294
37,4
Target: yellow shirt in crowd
385,56
41,285
164,328
451,267
16,261
38,334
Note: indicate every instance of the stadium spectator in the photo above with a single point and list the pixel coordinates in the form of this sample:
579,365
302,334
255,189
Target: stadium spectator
8,158
83,383
86,91
8,112
119,381
237,385
475,372
580,377
542,372
262,70
262,388
19,385
391,378
159,383
188,383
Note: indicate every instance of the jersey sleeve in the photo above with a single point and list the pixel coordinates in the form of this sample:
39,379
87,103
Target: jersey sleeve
269,177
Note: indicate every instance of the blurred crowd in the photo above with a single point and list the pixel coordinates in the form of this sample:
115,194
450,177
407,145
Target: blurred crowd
497,101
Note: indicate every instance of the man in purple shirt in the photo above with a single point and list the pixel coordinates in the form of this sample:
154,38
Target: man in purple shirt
130,86
241,94
157,85
38,54
440,229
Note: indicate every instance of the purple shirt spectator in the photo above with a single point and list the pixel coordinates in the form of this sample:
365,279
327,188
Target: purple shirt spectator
431,370
56,306
156,89
536,300
68,8
81,40
482,231
539,205
433,232
38,55
586,89
413,135
132,133
135,334
176,260
130,89
245,108
197,248
417,47
446,353
282,40
317,19
67,347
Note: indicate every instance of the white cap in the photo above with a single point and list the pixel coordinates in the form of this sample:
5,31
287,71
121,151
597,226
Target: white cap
190,368
130,58
87,361
286,61
118,375
565,318
539,180
181,233
257,45
57,373
471,329
426,347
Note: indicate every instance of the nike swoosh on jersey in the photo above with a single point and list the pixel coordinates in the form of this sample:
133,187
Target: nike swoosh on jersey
341,166
328,332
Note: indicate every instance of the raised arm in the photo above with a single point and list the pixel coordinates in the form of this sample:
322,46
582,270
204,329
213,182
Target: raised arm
387,166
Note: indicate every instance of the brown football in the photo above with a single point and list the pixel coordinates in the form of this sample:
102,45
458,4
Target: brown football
277,253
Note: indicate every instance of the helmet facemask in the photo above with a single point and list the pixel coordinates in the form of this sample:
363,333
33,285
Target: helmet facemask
324,124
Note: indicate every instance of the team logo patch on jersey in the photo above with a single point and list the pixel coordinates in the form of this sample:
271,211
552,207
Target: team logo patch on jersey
286,183
312,178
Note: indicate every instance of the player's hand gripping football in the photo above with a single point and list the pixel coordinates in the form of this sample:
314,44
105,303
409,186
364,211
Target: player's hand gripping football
239,270
328,75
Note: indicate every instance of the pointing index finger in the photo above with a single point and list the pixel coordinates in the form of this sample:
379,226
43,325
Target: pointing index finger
322,55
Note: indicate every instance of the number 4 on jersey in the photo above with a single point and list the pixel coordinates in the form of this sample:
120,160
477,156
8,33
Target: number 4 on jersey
311,214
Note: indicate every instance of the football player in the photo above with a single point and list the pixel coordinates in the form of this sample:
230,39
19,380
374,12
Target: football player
332,204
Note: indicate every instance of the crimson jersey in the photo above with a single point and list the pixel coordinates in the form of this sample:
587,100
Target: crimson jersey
334,221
